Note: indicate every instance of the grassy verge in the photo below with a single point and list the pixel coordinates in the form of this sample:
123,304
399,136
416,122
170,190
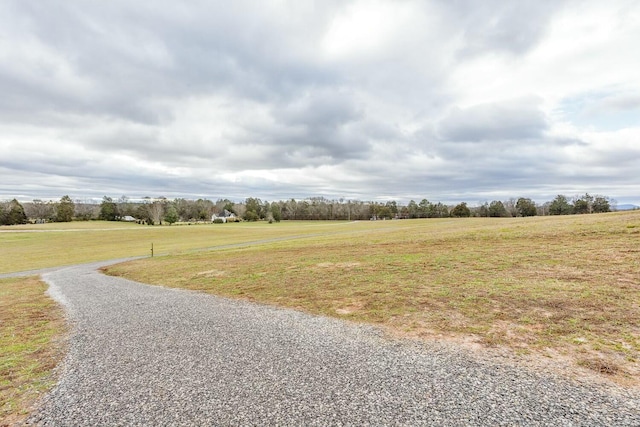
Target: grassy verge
562,287
31,327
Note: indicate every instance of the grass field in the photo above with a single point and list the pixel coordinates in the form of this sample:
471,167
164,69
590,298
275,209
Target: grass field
38,246
559,287
31,326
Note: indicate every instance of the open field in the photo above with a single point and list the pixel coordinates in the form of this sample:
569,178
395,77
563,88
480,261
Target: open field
29,247
552,288
31,326
566,288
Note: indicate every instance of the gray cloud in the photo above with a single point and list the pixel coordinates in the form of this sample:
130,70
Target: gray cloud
339,98
515,119
513,27
613,104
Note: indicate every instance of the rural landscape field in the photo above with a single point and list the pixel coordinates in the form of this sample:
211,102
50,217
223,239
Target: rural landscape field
564,290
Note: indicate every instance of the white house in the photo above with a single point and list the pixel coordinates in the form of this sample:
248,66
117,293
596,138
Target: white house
224,216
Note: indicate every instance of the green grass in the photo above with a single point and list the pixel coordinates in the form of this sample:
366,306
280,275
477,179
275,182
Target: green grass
547,286
31,247
31,326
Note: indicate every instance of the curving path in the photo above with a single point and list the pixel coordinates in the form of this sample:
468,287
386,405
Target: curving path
144,355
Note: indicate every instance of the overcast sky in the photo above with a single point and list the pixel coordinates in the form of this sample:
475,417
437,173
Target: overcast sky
372,100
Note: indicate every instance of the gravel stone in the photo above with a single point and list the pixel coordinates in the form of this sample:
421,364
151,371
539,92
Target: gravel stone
145,355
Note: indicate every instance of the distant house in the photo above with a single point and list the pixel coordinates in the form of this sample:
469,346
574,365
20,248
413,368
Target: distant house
224,216
128,218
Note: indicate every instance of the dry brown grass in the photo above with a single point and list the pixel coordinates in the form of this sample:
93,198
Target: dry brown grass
562,287
31,327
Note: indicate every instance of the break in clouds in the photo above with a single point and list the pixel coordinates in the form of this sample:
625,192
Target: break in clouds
450,101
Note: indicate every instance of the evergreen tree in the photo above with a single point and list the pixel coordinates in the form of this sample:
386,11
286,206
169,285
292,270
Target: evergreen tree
601,204
461,211
108,210
560,206
12,214
171,214
497,209
65,209
526,207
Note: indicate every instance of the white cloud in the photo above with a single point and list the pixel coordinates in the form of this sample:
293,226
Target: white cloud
406,99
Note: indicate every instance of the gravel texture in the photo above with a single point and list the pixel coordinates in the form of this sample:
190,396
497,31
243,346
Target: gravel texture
145,355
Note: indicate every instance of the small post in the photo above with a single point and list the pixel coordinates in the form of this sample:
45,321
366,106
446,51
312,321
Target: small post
152,250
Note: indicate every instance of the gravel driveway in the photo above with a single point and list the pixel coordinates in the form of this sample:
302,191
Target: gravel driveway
144,355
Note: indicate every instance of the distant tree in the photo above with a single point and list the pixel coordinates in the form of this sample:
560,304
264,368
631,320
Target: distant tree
510,206
65,209
393,207
183,207
560,206
425,209
251,216
583,204
412,209
85,211
124,206
360,210
276,212
543,209
385,212
266,211
12,213
482,210
288,209
497,209
108,210
304,210
253,209
461,211
601,204
317,208
143,213
225,205
239,209
526,207
38,210
439,210
203,209
156,211
171,214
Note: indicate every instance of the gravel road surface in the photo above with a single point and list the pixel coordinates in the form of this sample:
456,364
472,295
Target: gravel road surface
144,355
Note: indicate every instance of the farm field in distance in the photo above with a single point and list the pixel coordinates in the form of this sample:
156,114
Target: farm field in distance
563,289
28,247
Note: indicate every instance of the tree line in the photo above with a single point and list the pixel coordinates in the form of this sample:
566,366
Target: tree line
162,210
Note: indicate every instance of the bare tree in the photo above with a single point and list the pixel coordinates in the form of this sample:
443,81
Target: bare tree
38,210
240,209
156,211
510,206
